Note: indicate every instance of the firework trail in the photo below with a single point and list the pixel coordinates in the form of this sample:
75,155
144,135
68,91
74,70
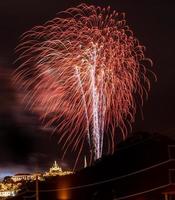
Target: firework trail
84,72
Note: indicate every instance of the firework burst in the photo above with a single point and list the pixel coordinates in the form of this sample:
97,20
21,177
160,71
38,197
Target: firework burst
81,72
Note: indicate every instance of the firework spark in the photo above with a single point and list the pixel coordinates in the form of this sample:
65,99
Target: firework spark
81,72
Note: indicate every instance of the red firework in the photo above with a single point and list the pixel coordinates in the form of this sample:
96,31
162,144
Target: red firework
81,72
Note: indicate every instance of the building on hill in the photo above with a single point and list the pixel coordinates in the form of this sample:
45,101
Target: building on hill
9,189
22,177
8,193
56,170
26,177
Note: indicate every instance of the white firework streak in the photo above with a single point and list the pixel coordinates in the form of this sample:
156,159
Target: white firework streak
84,103
102,109
95,106
98,103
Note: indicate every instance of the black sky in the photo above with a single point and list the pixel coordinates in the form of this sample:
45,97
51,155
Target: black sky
153,23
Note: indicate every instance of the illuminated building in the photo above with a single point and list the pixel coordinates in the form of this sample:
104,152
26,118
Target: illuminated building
8,193
25,177
9,189
21,177
55,170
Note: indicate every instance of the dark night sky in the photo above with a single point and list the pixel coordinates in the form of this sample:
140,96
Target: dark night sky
21,141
